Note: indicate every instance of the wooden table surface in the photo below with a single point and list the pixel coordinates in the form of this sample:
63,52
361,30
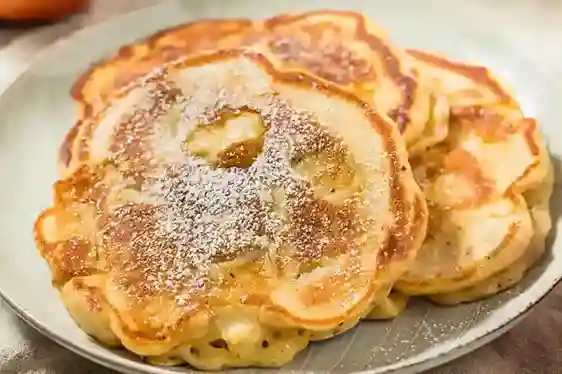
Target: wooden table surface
534,346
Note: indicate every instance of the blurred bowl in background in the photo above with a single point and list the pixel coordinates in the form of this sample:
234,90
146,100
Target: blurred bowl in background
45,10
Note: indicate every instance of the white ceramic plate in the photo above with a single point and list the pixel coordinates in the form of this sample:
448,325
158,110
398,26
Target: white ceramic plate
36,111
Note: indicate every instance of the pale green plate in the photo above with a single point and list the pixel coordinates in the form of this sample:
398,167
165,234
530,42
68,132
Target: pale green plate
36,111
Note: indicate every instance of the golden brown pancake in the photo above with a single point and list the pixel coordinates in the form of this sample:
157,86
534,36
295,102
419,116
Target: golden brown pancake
488,217
338,47
225,214
347,49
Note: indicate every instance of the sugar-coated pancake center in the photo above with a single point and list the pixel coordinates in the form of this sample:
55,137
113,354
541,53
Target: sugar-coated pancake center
250,182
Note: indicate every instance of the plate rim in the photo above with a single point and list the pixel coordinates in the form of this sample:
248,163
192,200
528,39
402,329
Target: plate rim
127,366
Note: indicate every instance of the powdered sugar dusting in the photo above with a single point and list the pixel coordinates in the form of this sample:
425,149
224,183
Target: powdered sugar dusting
206,215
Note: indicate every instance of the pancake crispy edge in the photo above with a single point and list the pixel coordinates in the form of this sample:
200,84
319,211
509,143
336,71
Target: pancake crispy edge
108,77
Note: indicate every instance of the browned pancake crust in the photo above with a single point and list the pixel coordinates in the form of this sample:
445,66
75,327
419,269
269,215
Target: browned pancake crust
303,43
491,124
478,74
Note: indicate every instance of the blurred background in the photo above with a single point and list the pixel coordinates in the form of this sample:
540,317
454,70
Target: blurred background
28,26
22,16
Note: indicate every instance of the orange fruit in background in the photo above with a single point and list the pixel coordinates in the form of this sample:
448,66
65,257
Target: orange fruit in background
39,9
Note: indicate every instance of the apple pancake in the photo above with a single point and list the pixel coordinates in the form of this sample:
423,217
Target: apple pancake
347,49
225,214
336,46
488,217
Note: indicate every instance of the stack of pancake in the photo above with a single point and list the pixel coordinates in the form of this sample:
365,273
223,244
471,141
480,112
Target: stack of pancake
234,189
